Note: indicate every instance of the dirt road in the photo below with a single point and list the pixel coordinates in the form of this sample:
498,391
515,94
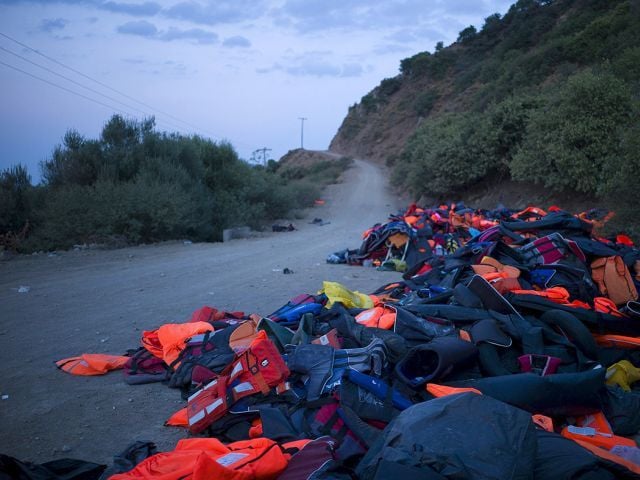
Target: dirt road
100,302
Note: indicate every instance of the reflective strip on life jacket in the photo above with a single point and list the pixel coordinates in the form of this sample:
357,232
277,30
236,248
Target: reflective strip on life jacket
595,429
92,364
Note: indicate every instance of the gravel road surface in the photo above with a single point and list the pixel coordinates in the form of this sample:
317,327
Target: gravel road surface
100,301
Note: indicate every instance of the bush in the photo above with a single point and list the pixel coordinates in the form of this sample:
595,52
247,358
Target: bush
15,199
425,102
445,154
467,35
389,86
143,210
140,186
571,140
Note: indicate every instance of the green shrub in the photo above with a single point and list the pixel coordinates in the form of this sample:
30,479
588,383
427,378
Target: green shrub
571,140
445,154
389,86
139,186
16,203
425,102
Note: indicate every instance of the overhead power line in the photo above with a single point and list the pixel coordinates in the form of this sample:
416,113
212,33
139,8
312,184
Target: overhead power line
134,108
65,88
61,87
72,81
104,85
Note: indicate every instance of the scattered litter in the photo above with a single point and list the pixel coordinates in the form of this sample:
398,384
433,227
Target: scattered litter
65,448
24,289
276,269
287,271
283,228
50,254
319,202
5,397
104,340
319,222
187,242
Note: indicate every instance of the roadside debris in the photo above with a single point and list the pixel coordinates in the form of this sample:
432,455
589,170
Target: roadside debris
283,228
319,222
24,289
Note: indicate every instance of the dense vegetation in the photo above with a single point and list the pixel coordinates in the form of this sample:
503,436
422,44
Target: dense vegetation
549,94
135,184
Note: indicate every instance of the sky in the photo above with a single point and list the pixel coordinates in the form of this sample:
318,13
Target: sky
242,71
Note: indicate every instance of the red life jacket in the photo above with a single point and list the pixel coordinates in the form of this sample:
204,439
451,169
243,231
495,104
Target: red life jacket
256,370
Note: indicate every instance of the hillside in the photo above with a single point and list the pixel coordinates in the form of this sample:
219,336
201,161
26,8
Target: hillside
545,95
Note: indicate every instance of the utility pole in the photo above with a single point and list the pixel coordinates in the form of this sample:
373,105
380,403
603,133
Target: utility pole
302,119
264,151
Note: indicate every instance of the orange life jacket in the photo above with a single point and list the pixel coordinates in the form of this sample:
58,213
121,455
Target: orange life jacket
595,430
92,364
530,212
169,340
618,341
606,305
614,279
178,419
555,294
438,390
607,455
379,317
208,458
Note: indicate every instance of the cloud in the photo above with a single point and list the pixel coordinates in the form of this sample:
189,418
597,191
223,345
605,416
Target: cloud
236,42
145,9
197,34
217,11
148,66
314,64
352,70
314,16
145,29
391,48
52,24
141,28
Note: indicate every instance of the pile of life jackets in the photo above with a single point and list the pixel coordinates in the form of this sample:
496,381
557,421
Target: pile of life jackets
514,355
